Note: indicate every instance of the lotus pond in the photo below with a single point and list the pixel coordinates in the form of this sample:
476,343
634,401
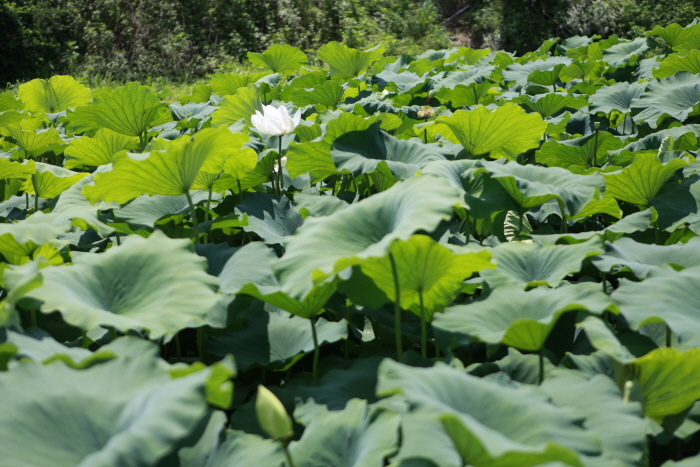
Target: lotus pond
461,258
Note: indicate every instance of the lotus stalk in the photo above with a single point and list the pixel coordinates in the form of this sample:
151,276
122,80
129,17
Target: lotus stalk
193,214
423,327
397,309
314,334
206,211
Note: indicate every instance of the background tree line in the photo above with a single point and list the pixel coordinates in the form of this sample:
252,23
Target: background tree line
185,39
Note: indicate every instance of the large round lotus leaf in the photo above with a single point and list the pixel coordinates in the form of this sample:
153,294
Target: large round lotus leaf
491,425
73,205
50,181
346,62
642,258
640,302
129,110
361,152
684,137
55,95
430,274
618,97
9,102
35,143
330,94
604,340
126,412
669,379
274,339
249,272
472,94
676,96
279,58
520,319
625,52
23,238
272,217
505,132
11,169
305,81
10,117
357,436
642,180
531,265
241,105
326,245
317,206
585,151
336,387
156,284
551,103
313,157
147,210
679,37
531,185
228,83
687,61
38,345
242,450
171,172
619,425
590,69
468,56
451,171
520,72
678,205
405,82
453,79
96,151
425,443
485,195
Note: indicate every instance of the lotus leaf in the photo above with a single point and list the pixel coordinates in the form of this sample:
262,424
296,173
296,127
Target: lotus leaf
279,58
531,265
59,93
495,425
520,319
505,132
676,96
155,285
326,245
129,110
346,62
146,414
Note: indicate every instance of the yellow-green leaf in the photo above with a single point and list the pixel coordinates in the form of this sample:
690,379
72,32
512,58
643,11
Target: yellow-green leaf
425,267
642,179
504,132
55,95
670,380
171,172
98,150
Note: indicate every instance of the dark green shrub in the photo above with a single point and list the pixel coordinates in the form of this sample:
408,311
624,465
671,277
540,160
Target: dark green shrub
183,39
522,25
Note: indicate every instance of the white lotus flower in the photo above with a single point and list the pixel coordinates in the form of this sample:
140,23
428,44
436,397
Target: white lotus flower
275,121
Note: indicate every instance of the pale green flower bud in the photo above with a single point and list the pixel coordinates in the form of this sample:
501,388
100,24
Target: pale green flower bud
272,417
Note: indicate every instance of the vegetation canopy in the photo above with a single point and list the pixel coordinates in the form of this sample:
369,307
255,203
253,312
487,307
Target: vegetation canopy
463,257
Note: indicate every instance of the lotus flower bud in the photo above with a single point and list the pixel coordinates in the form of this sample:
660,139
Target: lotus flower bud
272,417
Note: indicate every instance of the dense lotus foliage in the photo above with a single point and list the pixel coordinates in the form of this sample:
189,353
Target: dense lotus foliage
460,258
